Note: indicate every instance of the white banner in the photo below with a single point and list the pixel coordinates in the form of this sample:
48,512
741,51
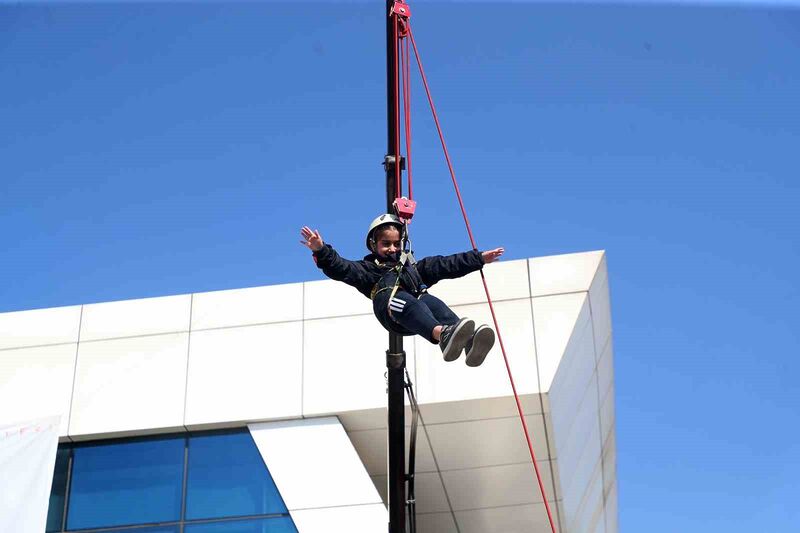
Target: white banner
27,461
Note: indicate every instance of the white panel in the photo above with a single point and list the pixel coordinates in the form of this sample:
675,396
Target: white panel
436,523
574,374
130,384
479,409
513,519
579,447
607,413
353,519
584,478
496,486
551,443
589,514
361,419
554,471
129,318
40,326
560,274
609,463
599,526
555,318
445,412
313,464
507,280
438,381
559,510
605,369
345,363
430,493
611,512
372,448
37,382
487,442
381,485
247,373
241,307
601,307
328,298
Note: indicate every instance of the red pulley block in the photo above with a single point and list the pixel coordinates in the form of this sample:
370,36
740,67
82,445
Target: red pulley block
405,208
401,9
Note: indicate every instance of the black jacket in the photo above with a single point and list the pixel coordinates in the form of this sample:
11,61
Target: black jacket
372,270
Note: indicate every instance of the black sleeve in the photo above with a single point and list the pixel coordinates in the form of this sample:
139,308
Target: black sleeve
337,268
436,268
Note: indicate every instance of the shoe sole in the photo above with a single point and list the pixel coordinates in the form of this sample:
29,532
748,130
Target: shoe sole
458,341
481,344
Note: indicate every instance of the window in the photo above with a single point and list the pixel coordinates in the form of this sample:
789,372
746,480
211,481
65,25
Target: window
227,477
208,482
123,483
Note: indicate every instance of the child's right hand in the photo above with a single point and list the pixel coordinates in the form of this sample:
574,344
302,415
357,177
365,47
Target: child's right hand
311,239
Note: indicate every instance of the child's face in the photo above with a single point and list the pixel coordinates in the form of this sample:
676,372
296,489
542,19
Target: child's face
387,242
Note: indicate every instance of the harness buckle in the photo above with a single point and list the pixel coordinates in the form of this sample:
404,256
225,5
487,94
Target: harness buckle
406,257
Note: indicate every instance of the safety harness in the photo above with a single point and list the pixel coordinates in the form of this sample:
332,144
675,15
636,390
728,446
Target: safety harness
406,258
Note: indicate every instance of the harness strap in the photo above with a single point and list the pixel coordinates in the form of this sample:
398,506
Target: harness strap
406,257
394,291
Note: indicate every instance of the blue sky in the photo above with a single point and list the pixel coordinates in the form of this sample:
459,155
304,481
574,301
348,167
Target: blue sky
154,149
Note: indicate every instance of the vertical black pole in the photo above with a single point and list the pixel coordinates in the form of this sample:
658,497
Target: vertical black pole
395,356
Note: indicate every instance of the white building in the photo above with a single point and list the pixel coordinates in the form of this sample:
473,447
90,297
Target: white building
299,369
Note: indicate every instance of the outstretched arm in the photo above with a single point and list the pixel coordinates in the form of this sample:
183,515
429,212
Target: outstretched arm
311,239
490,256
332,265
436,268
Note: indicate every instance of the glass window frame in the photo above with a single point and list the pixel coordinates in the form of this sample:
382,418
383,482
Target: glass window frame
178,526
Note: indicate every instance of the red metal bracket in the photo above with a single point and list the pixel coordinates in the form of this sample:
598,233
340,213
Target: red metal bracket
405,208
401,10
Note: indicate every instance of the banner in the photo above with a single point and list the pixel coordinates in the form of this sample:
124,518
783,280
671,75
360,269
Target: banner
27,461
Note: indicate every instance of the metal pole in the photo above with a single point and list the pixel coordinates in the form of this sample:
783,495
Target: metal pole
395,356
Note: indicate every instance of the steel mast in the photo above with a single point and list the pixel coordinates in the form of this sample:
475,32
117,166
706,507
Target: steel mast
395,355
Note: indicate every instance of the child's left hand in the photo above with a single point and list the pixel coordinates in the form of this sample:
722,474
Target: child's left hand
490,256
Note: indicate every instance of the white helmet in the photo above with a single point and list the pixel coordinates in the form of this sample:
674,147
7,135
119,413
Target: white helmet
383,220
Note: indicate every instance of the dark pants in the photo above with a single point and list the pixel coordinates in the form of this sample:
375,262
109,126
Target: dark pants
407,315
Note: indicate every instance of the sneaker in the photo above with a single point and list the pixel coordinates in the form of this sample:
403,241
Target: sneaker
455,337
479,345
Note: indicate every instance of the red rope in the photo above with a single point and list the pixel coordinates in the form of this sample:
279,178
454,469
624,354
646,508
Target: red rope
407,108
485,285
397,179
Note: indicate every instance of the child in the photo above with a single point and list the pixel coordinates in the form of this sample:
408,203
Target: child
398,289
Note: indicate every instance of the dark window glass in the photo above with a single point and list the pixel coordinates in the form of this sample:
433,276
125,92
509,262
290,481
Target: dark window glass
159,529
129,482
281,524
227,477
55,513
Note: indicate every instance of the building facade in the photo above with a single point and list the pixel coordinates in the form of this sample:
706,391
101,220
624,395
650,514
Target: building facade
264,409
